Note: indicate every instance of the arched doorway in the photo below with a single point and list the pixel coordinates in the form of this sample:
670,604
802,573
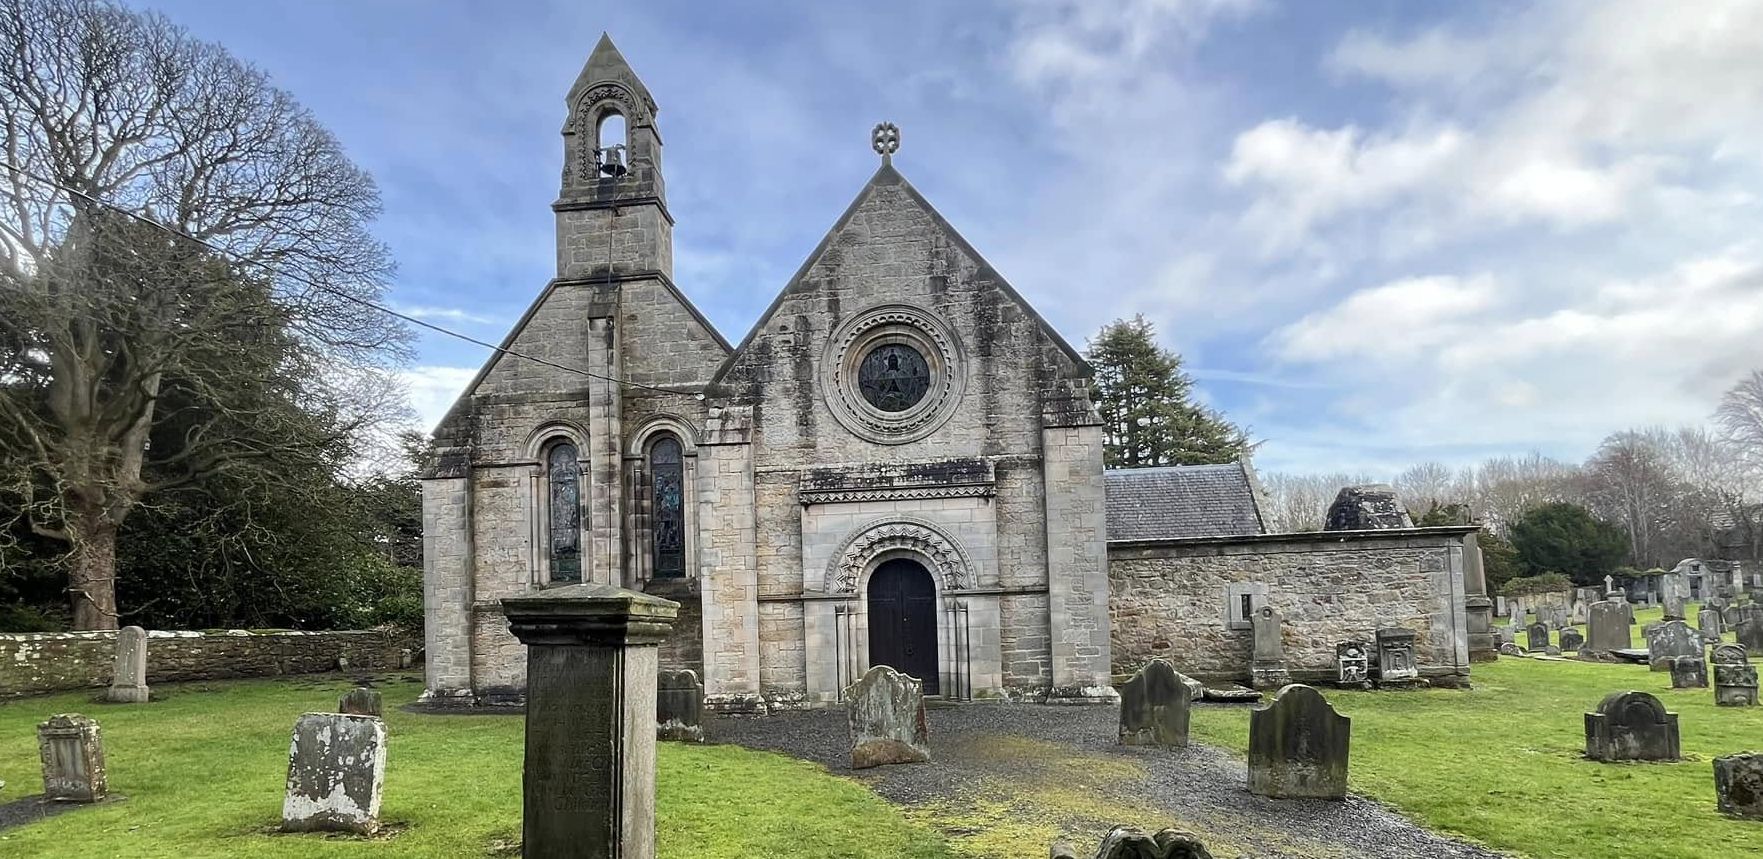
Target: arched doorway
903,620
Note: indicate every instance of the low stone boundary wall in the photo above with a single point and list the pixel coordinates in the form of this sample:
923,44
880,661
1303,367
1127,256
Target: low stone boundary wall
38,663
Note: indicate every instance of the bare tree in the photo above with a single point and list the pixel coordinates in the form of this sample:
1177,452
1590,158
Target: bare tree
100,103
1741,414
1630,483
1299,502
1429,483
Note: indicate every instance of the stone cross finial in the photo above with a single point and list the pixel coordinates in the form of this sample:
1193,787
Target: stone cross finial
885,140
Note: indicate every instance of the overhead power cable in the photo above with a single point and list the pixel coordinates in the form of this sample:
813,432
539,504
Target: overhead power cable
368,303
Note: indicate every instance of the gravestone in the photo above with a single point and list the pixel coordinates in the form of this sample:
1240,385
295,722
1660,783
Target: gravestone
128,677
1507,634
1267,668
336,774
1609,586
1510,649
1689,672
679,707
1749,631
1536,636
591,664
72,750
888,724
1735,678
1631,726
1669,640
1675,595
1298,747
1395,655
1352,663
1708,622
1125,842
1154,707
1738,785
1366,508
360,701
1607,627
1572,639
1551,650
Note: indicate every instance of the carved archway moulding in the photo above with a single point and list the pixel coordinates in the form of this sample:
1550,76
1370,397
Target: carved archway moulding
940,552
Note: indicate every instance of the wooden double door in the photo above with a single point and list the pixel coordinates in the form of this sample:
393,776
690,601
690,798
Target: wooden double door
903,621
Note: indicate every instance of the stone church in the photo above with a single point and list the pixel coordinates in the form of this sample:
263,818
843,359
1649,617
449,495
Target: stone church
899,464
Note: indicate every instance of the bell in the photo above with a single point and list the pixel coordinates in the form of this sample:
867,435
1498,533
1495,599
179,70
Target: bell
612,161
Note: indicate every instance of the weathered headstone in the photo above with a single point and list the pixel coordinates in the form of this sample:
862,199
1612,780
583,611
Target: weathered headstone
591,661
1738,785
1352,662
888,724
1708,622
1749,631
1669,640
1267,668
1735,678
1506,634
1395,655
1510,649
1536,636
1298,747
360,701
1631,726
1125,842
336,774
1675,595
72,749
1689,672
1154,707
679,707
128,678
1607,627
1572,639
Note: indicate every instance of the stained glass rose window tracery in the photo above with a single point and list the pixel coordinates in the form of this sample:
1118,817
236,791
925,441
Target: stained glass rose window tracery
893,377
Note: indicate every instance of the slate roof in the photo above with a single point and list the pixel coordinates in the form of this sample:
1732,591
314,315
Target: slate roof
1181,501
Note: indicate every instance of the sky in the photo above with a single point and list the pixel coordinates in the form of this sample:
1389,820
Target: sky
1379,233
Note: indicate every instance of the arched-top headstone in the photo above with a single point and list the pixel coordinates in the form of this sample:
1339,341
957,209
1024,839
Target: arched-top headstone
1572,639
128,679
1298,747
1631,726
1729,654
1607,627
888,723
1154,707
1125,842
679,706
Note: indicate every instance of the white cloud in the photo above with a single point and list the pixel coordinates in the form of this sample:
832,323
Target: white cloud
449,314
1397,320
433,390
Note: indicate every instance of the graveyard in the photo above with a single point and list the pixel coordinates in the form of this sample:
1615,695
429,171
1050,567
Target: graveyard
201,769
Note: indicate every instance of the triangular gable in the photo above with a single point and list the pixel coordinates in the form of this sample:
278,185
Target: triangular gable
888,176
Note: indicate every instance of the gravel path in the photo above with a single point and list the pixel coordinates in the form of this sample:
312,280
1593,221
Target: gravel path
1004,765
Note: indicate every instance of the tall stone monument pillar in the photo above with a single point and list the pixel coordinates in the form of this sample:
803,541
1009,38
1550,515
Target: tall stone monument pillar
1478,608
589,785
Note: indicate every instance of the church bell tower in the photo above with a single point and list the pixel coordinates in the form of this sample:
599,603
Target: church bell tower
612,219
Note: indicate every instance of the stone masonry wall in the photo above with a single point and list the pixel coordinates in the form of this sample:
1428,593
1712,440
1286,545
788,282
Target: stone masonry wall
39,663
1168,598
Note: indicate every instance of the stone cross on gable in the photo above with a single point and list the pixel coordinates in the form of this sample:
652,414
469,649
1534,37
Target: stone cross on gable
885,140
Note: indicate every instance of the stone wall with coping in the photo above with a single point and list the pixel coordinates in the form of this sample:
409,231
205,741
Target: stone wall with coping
40,663
1168,598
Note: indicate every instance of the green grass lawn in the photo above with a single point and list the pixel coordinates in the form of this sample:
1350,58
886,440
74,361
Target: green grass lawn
1503,763
1500,764
203,771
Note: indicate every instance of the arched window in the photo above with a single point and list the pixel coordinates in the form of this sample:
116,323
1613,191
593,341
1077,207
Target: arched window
667,507
613,154
563,475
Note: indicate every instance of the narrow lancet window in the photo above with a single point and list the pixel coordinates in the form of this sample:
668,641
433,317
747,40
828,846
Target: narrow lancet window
667,506
563,471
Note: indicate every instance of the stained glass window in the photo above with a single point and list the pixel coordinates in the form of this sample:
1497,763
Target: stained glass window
893,377
667,507
563,470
